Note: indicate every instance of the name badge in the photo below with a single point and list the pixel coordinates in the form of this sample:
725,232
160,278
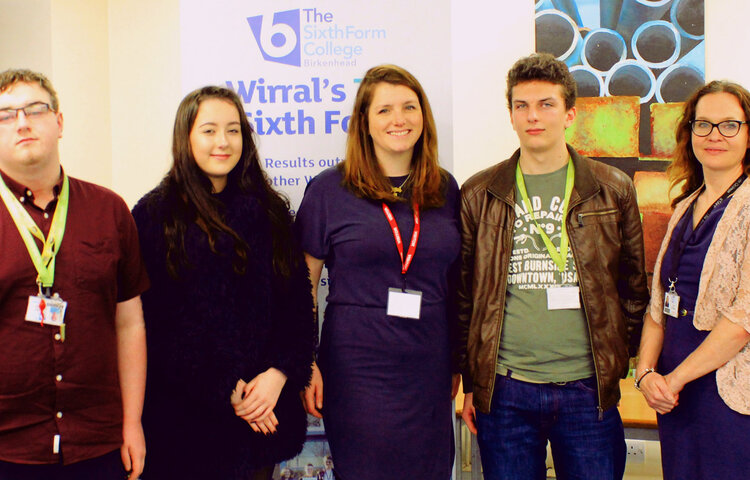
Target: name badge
404,303
46,310
672,304
563,298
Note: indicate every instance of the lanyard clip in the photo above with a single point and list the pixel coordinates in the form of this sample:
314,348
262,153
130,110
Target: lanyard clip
43,291
671,285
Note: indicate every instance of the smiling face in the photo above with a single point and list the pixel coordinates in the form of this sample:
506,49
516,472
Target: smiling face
28,142
395,121
216,140
539,116
716,153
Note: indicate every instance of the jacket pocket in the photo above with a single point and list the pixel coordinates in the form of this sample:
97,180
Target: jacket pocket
611,215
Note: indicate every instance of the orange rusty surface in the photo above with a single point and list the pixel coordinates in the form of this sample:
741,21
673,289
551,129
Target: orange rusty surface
606,127
654,229
664,118
653,191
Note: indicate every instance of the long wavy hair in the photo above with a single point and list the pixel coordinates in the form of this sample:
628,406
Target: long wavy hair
685,168
188,192
362,174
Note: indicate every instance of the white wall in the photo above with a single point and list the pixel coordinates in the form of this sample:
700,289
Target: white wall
17,47
145,91
80,74
116,66
488,37
727,37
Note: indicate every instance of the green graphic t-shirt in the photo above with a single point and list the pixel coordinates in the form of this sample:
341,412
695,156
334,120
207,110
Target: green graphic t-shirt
540,344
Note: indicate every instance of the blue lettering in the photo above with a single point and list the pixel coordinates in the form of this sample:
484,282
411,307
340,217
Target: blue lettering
338,94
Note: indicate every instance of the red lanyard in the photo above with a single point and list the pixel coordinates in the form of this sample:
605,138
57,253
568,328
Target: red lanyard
397,236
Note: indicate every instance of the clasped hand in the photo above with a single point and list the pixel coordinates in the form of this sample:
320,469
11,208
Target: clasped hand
661,392
255,400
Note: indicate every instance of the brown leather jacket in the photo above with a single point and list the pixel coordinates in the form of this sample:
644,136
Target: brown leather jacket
607,243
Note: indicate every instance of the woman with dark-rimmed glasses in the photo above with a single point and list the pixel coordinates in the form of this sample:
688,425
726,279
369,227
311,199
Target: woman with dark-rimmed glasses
694,361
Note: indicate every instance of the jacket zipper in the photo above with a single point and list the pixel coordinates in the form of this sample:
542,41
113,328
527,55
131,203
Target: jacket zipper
509,238
593,214
585,313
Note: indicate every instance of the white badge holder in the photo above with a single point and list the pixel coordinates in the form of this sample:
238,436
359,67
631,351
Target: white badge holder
563,298
46,310
404,303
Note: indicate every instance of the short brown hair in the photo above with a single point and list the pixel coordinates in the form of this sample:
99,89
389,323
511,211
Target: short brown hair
361,171
685,166
545,68
11,77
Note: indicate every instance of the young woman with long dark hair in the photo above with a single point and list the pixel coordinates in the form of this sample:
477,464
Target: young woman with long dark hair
229,307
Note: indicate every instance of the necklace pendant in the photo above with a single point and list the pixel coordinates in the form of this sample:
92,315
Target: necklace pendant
396,190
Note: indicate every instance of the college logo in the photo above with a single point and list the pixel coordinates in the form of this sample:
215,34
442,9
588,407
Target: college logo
279,37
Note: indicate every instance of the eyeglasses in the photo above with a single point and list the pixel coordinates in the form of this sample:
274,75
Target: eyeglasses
34,110
727,128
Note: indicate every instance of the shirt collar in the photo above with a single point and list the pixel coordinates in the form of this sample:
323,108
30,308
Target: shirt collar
24,194
503,183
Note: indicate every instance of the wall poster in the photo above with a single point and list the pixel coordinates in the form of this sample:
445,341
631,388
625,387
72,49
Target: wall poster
635,62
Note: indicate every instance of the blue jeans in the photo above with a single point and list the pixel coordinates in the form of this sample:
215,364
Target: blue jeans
524,416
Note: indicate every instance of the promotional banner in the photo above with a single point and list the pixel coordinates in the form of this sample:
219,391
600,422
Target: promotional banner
296,67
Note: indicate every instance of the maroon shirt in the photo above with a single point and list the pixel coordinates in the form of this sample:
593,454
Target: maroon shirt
71,388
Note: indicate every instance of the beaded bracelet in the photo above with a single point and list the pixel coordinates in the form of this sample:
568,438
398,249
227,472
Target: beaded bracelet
640,379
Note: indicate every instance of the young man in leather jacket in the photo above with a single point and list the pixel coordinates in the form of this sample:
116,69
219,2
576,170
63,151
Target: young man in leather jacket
552,292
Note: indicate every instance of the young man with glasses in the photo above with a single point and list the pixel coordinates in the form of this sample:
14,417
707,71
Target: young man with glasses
73,351
552,293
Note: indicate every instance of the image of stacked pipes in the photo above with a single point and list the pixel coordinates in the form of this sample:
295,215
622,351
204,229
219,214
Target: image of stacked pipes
634,61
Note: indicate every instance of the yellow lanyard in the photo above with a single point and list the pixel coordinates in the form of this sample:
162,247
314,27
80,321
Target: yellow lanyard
44,261
560,258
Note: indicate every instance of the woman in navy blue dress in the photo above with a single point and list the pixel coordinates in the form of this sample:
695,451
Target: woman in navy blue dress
694,362
385,351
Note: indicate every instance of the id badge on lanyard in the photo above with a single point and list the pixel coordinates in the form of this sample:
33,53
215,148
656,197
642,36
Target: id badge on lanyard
43,309
672,301
46,310
402,302
671,297
563,298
